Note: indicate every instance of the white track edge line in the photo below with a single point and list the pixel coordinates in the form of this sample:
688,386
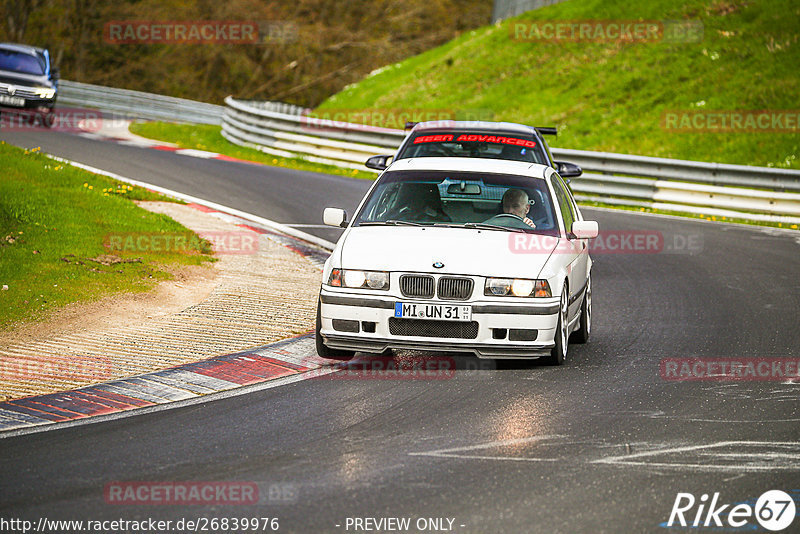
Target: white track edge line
273,225
754,227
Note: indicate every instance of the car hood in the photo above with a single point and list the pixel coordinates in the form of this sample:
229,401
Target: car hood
29,80
462,251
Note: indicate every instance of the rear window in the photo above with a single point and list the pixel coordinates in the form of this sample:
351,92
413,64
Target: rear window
19,62
473,145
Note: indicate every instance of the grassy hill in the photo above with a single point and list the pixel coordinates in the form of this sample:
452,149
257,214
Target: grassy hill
306,49
609,95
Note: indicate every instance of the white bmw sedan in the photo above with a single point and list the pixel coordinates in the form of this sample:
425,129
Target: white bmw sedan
459,254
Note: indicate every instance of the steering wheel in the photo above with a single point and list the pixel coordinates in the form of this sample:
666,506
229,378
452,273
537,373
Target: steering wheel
509,220
407,212
415,213
511,216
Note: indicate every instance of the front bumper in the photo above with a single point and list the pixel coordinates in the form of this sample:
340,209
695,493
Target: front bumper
31,104
371,314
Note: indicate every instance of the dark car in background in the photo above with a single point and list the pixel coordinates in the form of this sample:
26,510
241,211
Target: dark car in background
477,139
28,80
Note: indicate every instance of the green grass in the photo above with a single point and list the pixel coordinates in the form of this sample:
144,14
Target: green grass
208,137
610,96
55,223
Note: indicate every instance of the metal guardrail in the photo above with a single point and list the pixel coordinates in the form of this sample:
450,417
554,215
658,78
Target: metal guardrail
287,130
289,135
504,9
137,104
693,171
738,191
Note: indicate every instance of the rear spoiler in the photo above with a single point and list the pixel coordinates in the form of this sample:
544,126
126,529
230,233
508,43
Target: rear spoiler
543,130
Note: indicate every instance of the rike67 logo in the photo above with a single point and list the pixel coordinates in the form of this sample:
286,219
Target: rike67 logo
774,510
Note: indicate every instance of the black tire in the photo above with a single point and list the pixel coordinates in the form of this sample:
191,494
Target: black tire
558,354
326,352
581,335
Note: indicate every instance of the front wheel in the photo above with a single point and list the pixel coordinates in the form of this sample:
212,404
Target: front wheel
326,352
581,335
558,354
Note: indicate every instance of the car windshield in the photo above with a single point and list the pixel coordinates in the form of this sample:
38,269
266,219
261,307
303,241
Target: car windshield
473,145
19,62
488,201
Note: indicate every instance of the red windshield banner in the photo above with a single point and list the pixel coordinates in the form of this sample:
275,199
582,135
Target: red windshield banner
444,138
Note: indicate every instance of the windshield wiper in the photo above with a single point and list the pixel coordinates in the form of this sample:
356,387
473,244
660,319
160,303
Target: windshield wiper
407,223
392,222
471,226
485,226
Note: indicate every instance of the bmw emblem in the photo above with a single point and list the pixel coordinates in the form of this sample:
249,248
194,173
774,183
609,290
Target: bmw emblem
438,264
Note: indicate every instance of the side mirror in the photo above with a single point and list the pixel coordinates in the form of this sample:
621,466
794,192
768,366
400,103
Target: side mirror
335,217
585,229
567,169
55,74
378,162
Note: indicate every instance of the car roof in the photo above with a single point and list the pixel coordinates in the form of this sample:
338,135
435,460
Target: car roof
475,126
494,166
25,49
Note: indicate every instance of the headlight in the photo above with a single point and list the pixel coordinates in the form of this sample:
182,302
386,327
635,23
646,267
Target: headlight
45,92
517,287
359,279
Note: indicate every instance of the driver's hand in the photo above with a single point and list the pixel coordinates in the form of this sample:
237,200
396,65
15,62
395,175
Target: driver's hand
529,222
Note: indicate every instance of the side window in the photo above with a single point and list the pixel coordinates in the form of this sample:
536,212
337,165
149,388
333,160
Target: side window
548,156
572,203
564,204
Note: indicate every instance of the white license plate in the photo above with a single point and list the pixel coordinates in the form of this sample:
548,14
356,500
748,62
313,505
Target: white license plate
12,101
441,312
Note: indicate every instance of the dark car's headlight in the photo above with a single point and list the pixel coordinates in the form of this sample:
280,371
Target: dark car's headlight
516,287
45,92
359,279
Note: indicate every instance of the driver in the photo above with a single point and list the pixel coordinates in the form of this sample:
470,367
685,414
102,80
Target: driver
515,202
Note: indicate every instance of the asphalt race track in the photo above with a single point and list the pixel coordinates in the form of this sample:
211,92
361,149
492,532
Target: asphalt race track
603,444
